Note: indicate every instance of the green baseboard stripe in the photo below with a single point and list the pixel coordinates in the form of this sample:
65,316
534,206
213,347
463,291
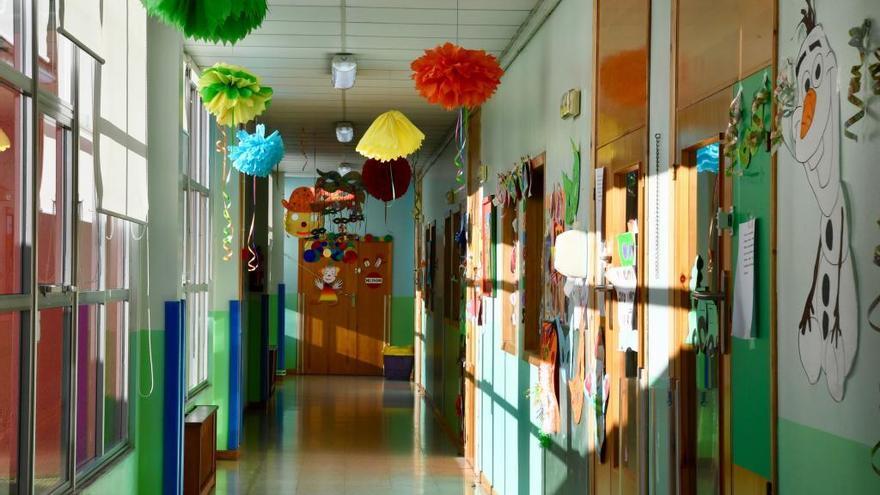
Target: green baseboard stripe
149,400
816,462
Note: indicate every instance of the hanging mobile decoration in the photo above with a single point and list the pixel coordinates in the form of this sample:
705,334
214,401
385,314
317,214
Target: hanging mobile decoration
390,136
217,21
233,95
386,181
255,153
860,39
301,220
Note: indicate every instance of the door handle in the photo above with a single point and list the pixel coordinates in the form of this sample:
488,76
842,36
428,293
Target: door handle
47,289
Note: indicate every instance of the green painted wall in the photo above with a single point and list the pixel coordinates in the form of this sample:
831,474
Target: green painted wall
149,409
402,320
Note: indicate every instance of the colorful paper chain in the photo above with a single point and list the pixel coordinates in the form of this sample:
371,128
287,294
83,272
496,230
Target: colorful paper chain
227,202
860,40
461,143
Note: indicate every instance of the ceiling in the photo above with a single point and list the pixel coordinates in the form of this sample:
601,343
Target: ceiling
291,51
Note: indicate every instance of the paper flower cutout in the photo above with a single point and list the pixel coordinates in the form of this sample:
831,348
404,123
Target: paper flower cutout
233,95
386,181
390,136
257,154
218,21
453,77
4,141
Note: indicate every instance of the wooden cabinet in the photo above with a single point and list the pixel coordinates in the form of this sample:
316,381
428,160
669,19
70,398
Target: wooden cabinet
199,450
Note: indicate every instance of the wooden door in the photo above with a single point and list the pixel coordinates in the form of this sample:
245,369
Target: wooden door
374,272
620,467
328,289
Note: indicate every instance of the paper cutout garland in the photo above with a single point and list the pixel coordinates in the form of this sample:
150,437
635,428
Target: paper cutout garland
860,38
390,136
226,21
233,95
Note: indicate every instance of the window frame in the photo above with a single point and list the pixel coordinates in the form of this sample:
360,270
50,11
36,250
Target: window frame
197,132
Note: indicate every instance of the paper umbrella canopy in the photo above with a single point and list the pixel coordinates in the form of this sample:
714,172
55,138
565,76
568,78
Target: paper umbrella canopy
232,94
390,136
255,153
456,77
386,181
226,21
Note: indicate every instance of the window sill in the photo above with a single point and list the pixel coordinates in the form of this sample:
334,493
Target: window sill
108,464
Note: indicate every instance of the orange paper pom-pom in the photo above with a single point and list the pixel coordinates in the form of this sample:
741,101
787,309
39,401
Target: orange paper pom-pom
454,77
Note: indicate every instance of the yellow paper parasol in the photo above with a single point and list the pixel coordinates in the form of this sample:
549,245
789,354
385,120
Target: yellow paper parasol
390,136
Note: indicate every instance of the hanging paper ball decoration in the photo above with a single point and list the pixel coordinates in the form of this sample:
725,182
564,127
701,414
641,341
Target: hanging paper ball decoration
310,256
455,77
386,181
217,21
390,136
255,153
233,95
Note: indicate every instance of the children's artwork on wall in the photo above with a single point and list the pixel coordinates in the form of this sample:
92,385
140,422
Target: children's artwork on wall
544,394
488,245
572,185
329,284
554,299
299,219
829,325
626,248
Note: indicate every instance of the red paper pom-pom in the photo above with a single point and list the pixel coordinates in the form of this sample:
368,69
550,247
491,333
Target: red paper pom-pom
378,178
454,77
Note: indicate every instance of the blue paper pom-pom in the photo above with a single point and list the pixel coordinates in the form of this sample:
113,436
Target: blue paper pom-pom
255,153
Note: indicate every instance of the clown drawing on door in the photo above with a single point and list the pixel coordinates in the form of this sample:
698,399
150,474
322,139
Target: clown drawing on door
329,284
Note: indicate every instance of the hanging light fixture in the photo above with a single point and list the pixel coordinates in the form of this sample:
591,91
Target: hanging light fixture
344,132
343,69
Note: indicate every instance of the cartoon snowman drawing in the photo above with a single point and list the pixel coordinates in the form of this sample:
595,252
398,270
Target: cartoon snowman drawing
828,326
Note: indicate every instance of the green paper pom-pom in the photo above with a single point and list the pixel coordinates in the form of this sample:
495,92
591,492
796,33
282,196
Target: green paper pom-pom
218,21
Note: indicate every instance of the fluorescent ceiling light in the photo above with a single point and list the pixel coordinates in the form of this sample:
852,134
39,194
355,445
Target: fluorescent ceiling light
344,132
343,69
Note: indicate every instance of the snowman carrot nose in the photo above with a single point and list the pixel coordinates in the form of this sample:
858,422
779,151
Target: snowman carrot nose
809,112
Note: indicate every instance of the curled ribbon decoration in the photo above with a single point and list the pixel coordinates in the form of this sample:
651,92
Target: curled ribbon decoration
226,173
860,40
461,143
253,262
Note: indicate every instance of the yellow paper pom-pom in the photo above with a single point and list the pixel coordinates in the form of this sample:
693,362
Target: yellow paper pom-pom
390,136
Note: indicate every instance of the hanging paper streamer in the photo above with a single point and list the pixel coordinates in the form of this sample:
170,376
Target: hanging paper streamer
860,39
390,136
253,262
255,153
233,95
572,185
217,21
386,181
455,77
460,144
226,173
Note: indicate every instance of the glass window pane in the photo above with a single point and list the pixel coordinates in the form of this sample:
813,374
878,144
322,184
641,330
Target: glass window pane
55,53
116,375
87,384
10,332
116,239
11,45
50,185
11,197
50,415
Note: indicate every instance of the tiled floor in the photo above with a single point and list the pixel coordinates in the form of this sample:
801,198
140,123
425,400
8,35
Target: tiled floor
345,435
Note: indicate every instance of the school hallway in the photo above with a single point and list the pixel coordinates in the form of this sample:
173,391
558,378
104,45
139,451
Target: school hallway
345,435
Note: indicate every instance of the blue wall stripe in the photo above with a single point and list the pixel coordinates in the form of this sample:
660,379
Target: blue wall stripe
234,439
175,396
264,347
282,296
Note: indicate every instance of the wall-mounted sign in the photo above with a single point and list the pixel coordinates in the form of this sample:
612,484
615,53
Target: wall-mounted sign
374,280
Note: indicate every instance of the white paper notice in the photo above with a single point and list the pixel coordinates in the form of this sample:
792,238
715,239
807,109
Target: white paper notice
623,278
744,283
600,197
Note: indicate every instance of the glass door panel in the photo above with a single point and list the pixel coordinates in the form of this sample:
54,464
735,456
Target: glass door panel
51,178
52,399
10,334
11,189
